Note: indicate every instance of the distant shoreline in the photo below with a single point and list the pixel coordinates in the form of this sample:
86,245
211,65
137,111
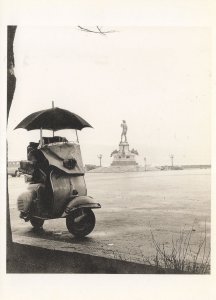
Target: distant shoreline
124,169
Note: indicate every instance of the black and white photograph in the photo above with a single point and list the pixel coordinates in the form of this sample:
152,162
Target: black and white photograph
109,149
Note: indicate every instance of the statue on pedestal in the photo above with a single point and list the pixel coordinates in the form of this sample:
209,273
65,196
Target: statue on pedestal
124,131
124,157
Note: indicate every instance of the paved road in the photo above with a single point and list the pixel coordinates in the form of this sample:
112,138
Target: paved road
133,206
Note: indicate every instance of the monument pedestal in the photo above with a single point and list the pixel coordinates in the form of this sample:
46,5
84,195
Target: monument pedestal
123,156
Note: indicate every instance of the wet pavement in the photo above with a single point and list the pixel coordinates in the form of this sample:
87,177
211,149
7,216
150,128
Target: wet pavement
137,210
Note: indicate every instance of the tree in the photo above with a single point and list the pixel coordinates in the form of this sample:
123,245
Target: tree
11,84
98,30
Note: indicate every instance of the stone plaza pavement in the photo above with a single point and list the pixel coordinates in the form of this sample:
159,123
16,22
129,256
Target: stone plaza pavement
135,208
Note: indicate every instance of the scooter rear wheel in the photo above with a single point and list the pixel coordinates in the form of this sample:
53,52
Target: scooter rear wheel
36,222
81,222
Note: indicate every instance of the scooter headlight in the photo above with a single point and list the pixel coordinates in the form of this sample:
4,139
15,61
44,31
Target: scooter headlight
75,192
69,163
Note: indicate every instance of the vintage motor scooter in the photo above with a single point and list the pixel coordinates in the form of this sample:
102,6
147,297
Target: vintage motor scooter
55,173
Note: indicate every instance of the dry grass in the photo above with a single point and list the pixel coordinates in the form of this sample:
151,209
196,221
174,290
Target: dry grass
183,257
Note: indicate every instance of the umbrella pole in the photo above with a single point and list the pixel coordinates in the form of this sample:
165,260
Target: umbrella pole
77,136
53,108
41,137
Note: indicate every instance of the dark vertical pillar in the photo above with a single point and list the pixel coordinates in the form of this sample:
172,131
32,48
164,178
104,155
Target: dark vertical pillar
11,79
11,84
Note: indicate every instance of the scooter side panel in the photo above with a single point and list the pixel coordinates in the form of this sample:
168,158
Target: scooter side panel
34,200
25,199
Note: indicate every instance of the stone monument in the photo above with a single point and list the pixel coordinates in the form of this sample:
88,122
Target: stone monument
124,156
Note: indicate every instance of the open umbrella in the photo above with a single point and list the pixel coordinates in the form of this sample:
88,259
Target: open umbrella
53,119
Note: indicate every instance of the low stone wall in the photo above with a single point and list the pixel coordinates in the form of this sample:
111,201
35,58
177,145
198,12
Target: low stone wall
28,257
122,169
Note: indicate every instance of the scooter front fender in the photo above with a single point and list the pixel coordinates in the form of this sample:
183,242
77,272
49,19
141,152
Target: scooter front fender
80,202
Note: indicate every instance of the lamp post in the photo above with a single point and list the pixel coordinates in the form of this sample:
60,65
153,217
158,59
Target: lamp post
145,163
172,157
100,158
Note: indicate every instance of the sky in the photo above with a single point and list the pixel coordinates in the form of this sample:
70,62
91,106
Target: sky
158,79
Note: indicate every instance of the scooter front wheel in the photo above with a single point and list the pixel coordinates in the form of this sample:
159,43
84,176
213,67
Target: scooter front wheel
80,222
36,222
